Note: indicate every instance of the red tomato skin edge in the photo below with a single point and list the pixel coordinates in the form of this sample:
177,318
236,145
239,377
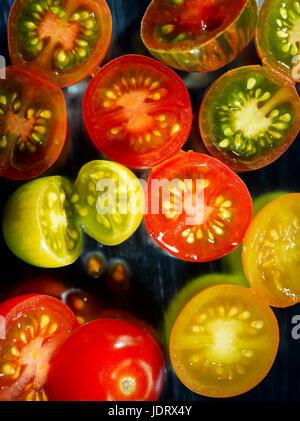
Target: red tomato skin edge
10,308
223,167
154,159
91,69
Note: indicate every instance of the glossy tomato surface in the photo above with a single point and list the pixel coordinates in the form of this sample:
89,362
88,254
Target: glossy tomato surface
249,117
198,35
35,326
198,209
271,251
109,201
137,111
62,41
107,360
33,124
224,341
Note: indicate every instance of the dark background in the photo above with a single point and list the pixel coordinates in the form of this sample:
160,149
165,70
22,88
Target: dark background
156,276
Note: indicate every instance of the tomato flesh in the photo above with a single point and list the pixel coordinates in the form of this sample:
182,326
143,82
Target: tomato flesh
137,111
277,36
32,127
188,291
198,35
249,117
109,201
224,341
38,224
204,210
271,251
107,360
63,41
35,327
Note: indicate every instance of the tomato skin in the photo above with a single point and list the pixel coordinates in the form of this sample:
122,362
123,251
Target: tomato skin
46,155
233,160
101,10
178,99
168,233
264,342
7,305
224,44
91,364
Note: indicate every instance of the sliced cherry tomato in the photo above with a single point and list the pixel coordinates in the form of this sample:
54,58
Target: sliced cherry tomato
224,341
198,209
61,40
38,223
198,35
249,117
188,291
36,325
233,261
277,36
137,111
107,360
33,124
109,201
271,251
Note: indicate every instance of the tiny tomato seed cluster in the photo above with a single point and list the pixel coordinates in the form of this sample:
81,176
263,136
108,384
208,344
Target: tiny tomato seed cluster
222,336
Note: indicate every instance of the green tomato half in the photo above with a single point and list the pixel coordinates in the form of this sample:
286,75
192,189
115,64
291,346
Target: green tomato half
38,224
109,201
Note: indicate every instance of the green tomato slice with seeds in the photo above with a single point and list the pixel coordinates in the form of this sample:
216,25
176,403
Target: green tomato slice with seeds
249,117
38,223
109,201
278,36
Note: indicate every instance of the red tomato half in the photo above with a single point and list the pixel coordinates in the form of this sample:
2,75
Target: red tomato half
33,124
107,360
198,209
35,326
137,111
63,41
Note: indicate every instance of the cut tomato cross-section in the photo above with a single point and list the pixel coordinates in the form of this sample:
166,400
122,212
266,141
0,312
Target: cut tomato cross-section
33,124
137,111
36,325
201,210
63,41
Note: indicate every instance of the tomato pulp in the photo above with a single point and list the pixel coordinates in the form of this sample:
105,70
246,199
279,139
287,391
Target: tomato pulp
198,209
271,251
137,111
63,41
33,124
198,35
224,341
249,117
35,326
